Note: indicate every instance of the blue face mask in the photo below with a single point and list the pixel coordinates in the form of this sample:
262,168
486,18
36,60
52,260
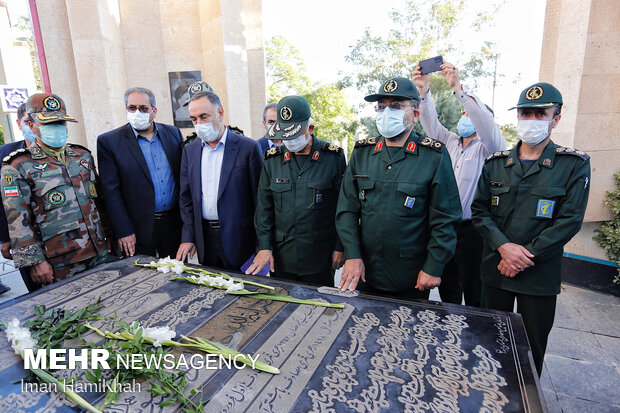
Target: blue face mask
54,135
29,135
465,127
390,122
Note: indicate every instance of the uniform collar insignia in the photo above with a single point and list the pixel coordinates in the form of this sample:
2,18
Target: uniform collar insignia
287,156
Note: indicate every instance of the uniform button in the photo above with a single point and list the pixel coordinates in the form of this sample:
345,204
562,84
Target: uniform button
389,166
523,182
299,177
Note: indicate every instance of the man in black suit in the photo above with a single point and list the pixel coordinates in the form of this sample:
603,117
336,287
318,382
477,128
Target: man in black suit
219,180
139,171
269,118
5,239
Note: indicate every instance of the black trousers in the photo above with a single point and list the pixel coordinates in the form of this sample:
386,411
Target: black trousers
412,294
461,276
30,285
538,313
323,279
166,236
214,255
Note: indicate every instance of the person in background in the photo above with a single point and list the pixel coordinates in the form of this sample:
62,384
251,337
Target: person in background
139,165
269,118
478,137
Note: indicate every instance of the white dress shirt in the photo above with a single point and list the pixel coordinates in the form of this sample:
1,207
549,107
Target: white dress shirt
467,162
210,171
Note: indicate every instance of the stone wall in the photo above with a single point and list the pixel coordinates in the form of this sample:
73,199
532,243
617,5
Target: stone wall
581,57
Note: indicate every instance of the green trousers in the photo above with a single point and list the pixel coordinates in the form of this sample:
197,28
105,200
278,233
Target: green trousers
538,312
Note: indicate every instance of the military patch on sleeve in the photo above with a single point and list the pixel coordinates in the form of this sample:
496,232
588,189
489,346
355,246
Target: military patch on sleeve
561,150
8,179
11,191
365,142
431,143
273,152
12,155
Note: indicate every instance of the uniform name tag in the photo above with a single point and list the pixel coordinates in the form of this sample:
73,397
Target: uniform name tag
495,200
409,202
281,180
11,191
545,208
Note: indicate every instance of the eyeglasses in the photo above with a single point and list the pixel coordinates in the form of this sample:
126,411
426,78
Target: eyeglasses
142,108
380,107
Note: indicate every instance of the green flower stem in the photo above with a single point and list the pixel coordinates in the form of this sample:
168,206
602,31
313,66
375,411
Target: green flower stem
199,271
48,378
197,343
264,296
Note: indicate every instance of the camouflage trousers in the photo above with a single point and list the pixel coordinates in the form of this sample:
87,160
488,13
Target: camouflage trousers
64,270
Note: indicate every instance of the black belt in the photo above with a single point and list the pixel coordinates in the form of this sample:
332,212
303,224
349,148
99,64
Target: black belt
211,224
160,215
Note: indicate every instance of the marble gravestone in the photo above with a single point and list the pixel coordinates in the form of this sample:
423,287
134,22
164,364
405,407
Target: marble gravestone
375,355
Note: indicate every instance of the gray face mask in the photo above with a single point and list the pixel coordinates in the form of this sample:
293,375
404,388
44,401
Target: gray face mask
296,144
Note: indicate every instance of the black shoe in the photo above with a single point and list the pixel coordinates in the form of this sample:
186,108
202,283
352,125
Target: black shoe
4,289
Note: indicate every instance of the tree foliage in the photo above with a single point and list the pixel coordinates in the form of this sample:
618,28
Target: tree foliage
608,235
23,23
419,31
333,117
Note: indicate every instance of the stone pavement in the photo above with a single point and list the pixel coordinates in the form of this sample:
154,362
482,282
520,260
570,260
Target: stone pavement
582,363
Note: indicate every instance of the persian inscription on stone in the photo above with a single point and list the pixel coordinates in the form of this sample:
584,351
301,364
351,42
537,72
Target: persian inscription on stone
240,320
341,379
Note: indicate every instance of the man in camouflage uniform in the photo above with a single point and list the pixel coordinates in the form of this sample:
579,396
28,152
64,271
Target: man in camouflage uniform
198,87
51,198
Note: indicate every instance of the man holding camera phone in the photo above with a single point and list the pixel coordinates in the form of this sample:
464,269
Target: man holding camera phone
478,137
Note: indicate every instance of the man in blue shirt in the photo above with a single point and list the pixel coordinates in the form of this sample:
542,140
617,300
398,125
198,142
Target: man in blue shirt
139,165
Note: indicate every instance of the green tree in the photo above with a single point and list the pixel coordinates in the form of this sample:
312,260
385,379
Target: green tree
420,30
23,23
608,235
333,118
509,132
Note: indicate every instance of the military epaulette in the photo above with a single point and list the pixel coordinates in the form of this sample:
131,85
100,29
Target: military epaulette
332,147
189,139
273,152
365,142
13,155
431,143
235,129
498,154
75,145
560,150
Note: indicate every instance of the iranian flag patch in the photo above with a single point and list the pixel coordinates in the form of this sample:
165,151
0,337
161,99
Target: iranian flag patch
11,191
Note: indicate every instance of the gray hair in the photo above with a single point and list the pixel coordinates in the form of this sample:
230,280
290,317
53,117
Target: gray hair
213,98
141,90
273,106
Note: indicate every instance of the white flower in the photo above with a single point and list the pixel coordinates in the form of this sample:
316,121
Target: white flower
19,337
235,287
159,334
167,265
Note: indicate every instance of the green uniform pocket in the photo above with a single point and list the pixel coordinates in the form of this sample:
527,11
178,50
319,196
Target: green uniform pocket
281,193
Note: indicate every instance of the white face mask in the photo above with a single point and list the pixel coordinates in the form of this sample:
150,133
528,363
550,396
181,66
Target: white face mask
206,131
139,121
533,131
296,144
390,122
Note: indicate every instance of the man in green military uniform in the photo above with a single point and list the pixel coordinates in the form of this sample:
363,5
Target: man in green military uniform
297,198
50,195
399,203
199,87
530,202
